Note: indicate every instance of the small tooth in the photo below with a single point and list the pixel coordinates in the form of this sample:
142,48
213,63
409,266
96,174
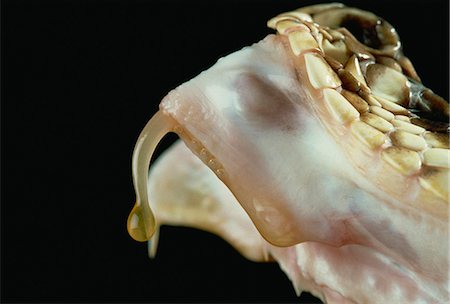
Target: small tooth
437,157
389,62
436,181
359,103
337,50
437,140
320,73
382,113
387,83
377,122
301,41
405,161
408,140
403,118
349,81
408,127
391,106
339,106
367,134
353,67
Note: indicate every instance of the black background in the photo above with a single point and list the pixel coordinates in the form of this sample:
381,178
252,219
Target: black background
79,81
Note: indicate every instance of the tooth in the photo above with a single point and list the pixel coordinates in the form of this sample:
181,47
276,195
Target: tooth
359,103
436,181
367,134
353,67
408,140
387,83
349,81
382,113
339,106
377,122
301,41
337,50
437,157
437,140
408,127
405,161
389,62
320,73
391,106
403,118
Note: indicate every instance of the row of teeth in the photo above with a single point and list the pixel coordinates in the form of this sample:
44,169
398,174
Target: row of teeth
369,96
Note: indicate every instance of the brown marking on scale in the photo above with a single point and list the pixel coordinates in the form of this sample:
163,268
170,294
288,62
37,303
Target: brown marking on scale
431,125
377,122
359,103
389,62
408,68
391,106
388,83
349,81
355,46
353,67
408,140
407,127
436,103
340,108
372,101
403,118
403,160
334,64
436,181
378,110
437,140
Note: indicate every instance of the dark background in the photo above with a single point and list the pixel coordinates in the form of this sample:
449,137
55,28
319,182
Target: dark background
79,81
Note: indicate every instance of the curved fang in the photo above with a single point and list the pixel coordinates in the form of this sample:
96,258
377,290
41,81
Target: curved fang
141,223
